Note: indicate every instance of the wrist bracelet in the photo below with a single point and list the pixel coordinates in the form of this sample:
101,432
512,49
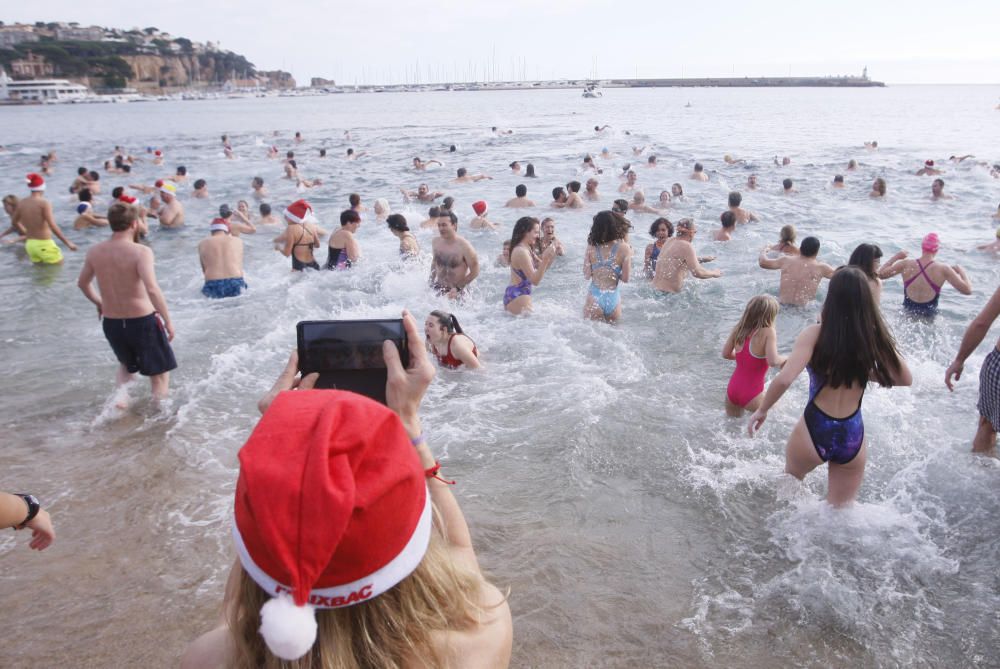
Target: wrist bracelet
432,473
419,439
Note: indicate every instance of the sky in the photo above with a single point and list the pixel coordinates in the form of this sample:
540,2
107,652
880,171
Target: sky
391,41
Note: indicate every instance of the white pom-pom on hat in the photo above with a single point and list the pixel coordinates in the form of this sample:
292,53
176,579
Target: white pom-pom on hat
288,630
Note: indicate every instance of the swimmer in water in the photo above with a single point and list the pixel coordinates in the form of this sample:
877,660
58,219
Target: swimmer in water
753,344
529,171
589,165
729,160
221,256
630,180
788,187
343,250
157,157
573,199
638,204
266,217
463,177
638,150
503,260
678,258
243,212
879,188
445,339
929,170
937,191
300,237
548,238
298,137
515,167
786,241
180,176
651,162
86,218
752,182
9,205
497,131
850,347
433,214
620,206
381,209
520,199
785,161
606,264
523,270
354,200
171,212
800,274
959,159
259,192
408,246
601,128
992,247
422,194
852,165
872,145
661,230
677,191
479,221
235,227
590,190
699,173
868,259
420,165
740,215
725,233
351,155
200,191
455,264
838,181
559,197
923,278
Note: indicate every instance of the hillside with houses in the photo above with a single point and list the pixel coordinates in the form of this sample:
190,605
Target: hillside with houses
143,59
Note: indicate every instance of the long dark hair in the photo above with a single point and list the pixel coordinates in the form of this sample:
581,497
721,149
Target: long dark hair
521,228
447,321
608,226
863,257
854,343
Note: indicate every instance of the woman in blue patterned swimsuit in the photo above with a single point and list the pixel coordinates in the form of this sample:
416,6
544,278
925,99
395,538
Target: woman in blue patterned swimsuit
607,263
523,273
850,347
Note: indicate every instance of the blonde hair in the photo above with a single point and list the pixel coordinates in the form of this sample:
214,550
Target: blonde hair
761,312
788,234
12,200
384,632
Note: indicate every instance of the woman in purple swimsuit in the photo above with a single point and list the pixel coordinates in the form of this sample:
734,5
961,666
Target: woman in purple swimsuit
523,273
848,348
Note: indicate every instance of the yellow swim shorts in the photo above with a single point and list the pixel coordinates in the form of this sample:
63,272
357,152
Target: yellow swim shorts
43,251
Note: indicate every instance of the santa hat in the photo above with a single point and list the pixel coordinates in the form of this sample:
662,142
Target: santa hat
931,243
220,225
929,163
127,199
157,153
167,188
479,207
300,211
83,208
332,509
36,183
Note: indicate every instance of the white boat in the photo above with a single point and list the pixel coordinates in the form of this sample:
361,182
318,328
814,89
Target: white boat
42,90
591,91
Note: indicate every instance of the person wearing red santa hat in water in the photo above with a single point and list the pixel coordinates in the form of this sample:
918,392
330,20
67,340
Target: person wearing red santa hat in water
928,169
33,218
480,221
300,237
157,157
352,549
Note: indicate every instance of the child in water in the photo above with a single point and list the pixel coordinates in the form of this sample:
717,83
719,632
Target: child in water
753,344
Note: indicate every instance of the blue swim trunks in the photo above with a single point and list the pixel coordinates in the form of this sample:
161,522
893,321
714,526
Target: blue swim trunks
219,288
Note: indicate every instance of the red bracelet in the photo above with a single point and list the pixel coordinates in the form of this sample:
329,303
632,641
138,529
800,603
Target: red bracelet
432,473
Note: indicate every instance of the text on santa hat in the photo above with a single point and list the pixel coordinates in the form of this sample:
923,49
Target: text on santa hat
332,602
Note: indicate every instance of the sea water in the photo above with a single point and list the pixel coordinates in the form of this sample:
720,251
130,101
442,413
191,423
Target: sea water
632,522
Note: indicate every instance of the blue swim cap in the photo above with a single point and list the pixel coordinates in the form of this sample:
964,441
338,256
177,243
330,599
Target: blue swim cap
82,207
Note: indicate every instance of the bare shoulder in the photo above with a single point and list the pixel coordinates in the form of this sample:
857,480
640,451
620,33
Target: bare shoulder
211,650
487,645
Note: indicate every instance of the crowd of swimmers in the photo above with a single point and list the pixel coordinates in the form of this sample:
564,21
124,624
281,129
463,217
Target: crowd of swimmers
849,347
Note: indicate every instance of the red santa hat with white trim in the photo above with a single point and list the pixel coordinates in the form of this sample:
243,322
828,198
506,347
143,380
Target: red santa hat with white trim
332,509
300,211
36,183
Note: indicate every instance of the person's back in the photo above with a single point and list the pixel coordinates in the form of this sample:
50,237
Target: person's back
116,264
31,214
221,256
672,265
800,278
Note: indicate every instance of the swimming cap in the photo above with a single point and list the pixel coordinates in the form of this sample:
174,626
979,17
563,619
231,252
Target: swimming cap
931,243
82,208
929,163
157,153
479,207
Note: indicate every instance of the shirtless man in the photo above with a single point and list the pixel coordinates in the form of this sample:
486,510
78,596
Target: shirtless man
559,197
455,264
351,155
515,167
677,258
221,257
171,213
638,204
422,194
591,190
135,318
259,192
651,162
157,157
480,222
725,233
33,218
838,181
432,218
788,187
929,170
266,217
573,199
200,191
521,200
463,177
82,180
630,179
699,173
181,176
420,165
937,190
752,182
800,275
242,226
548,238
740,214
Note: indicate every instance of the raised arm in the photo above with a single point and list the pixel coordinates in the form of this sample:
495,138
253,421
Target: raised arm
893,266
973,336
695,266
957,277
769,263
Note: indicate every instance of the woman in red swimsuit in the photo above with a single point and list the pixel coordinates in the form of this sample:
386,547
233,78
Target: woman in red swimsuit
753,344
448,343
